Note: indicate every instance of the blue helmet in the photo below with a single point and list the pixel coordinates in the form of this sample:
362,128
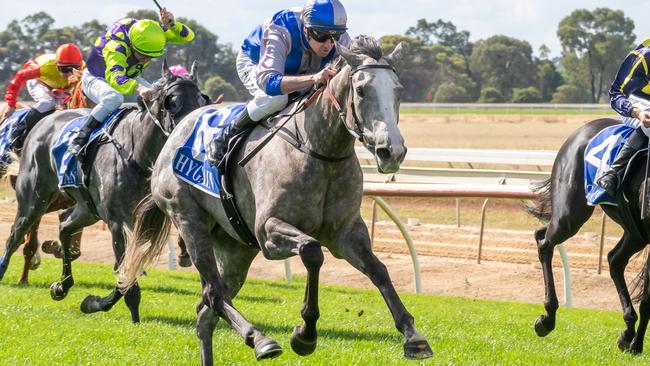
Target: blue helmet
325,15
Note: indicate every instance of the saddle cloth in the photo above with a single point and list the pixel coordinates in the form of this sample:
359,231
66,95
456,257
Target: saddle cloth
7,129
66,164
189,163
599,156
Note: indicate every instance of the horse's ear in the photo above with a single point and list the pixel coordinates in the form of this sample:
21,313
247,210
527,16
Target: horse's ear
351,58
166,74
193,72
396,56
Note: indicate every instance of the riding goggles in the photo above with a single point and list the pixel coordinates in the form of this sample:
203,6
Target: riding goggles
67,69
322,36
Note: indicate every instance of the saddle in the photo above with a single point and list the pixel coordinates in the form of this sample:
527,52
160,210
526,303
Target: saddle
75,171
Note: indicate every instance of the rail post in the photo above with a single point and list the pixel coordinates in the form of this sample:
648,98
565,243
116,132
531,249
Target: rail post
407,236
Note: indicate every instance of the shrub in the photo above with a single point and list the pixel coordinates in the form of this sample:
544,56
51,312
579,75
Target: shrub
491,95
526,95
217,85
451,93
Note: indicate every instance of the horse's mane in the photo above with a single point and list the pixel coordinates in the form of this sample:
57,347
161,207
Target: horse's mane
366,45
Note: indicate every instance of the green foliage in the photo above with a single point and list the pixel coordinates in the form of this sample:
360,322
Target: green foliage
355,327
216,85
451,93
570,94
503,63
595,41
491,95
526,95
549,79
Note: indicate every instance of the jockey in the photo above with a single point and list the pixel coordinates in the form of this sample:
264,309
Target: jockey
115,62
287,53
42,75
630,97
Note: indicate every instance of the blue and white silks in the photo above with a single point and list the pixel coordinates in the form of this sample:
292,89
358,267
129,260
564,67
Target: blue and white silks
66,164
7,129
600,153
189,162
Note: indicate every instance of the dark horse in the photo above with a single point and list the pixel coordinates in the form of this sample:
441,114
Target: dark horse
294,201
563,205
117,180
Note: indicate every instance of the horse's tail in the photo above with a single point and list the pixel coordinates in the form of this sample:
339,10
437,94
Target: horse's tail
151,230
641,283
542,208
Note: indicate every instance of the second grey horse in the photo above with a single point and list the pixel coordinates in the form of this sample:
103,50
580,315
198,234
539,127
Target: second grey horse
294,203
117,179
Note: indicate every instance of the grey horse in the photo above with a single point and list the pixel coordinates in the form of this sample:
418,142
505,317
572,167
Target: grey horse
117,180
293,202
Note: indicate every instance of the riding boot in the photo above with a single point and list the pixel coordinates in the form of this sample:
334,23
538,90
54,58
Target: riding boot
81,139
29,121
217,148
610,179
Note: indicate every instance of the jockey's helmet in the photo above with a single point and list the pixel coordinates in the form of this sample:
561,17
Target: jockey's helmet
148,38
69,55
325,15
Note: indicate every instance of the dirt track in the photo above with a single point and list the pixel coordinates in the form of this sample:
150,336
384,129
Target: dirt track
509,269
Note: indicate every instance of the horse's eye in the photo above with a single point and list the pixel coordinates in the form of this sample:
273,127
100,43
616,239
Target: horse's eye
360,92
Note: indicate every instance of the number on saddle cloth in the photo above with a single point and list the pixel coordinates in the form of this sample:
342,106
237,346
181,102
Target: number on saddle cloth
600,153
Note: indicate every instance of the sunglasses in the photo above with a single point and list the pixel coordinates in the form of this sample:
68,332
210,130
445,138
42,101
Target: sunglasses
67,69
321,36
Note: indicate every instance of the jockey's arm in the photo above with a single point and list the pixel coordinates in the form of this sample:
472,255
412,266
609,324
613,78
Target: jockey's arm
179,34
116,64
271,67
631,77
30,70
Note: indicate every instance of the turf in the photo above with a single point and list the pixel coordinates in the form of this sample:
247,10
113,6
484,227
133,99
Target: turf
355,327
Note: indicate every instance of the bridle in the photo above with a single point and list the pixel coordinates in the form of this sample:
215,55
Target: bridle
166,113
354,126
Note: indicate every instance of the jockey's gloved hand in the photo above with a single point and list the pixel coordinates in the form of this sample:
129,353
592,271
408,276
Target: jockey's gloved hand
148,94
323,76
643,116
167,18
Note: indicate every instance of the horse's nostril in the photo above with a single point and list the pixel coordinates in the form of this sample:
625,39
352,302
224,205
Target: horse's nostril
383,153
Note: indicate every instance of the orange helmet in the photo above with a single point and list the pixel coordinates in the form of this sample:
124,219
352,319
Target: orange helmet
69,55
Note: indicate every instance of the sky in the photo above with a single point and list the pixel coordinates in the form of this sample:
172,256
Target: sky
533,20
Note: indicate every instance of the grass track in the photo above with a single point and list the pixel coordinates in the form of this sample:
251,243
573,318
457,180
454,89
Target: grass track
38,331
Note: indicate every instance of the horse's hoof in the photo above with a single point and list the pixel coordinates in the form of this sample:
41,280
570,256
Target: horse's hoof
184,261
636,347
540,328
35,262
90,304
300,345
51,247
267,348
417,349
623,344
57,292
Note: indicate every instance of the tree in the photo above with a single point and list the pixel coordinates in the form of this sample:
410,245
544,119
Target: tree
216,85
601,38
526,95
451,93
549,79
446,34
503,63
416,66
491,95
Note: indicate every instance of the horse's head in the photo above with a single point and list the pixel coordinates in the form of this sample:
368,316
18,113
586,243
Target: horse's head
373,100
177,96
